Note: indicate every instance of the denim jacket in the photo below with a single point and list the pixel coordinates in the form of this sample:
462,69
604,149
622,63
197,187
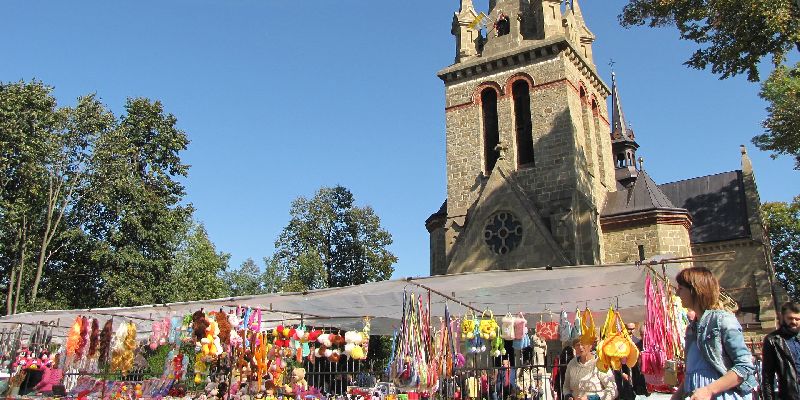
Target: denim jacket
722,345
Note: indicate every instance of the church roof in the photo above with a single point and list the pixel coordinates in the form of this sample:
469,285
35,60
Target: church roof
716,204
644,195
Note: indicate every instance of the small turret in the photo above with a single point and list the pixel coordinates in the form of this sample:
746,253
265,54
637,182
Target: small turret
467,33
623,144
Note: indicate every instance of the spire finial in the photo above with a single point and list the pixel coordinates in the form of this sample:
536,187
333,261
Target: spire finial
641,163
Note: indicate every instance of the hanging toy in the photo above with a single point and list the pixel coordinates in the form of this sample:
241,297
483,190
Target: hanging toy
468,325
200,368
498,345
235,339
488,326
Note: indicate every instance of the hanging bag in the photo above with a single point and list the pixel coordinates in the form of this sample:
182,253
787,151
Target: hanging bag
507,327
587,327
576,326
488,326
547,330
564,327
468,325
520,327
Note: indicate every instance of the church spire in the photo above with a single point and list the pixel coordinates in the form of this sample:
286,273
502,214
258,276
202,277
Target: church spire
622,138
619,128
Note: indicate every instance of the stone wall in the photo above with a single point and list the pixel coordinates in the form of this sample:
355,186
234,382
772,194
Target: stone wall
622,244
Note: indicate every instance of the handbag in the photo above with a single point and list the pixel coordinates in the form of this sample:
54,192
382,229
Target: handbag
547,330
507,327
520,327
587,327
468,325
576,326
565,327
487,326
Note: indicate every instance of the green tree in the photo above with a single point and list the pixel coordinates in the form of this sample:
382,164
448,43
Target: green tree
134,210
45,165
245,280
783,225
782,92
199,268
330,242
735,36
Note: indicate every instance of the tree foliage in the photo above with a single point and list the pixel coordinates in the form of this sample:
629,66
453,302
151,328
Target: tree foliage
249,280
330,242
783,225
91,207
734,35
782,92
199,268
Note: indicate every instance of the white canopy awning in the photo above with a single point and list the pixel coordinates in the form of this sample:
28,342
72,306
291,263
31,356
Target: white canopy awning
537,293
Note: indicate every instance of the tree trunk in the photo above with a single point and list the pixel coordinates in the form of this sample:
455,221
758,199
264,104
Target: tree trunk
21,266
9,295
14,267
50,229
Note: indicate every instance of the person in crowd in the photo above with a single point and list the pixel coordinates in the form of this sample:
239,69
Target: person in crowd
582,380
506,381
780,355
567,354
624,382
635,376
631,328
718,362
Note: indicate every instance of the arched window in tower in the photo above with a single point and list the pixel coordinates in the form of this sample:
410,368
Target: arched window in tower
491,132
522,119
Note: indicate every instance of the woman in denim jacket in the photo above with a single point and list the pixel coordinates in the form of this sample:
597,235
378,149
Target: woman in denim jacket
718,363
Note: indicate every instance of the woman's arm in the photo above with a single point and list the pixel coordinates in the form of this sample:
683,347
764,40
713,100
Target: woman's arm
728,381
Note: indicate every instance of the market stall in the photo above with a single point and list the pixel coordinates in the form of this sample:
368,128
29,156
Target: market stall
445,330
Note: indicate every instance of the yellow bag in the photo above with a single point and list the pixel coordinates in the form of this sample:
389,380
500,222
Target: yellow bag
587,327
488,326
468,325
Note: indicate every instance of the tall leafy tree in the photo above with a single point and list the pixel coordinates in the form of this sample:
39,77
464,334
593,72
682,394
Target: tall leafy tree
329,241
782,135
244,280
734,37
135,209
783,224
198,270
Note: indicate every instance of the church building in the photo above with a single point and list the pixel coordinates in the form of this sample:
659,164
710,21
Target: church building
538,174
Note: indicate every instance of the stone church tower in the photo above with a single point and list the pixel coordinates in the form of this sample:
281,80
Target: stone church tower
529,159
538,174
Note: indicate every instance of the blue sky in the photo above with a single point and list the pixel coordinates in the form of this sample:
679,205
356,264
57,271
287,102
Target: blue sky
280,98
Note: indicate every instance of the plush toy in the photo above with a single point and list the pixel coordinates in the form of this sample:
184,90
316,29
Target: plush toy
225,327
498,345
300,342
235,339
298,383
488,326
199,325
124,344
73,340
200,368
159,333
104,342
353,347
211,345
94,338
468,325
